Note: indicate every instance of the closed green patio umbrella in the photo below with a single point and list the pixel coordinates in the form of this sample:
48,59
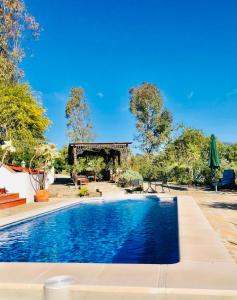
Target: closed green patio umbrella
214,160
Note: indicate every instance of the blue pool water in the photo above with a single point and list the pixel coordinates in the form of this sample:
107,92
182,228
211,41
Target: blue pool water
127,231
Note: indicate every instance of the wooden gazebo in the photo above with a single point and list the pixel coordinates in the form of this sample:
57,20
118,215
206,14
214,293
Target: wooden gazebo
110,151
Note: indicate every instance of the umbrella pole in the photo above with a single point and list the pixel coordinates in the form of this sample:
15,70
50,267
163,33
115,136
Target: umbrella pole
213,177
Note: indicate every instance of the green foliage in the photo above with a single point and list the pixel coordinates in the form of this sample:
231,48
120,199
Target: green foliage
231,153
184,160
153,121
83,192
61,164
24,118
15,24
186,153
95,165
78,116
79,166
90,164
126,177
6,148
149,169
23,153
150,166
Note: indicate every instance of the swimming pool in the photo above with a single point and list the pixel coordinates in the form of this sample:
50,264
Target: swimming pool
141,231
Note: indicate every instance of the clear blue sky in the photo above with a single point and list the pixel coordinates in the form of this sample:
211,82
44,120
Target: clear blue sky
187,48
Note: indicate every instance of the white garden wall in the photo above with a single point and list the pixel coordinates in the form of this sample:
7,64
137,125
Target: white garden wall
20,182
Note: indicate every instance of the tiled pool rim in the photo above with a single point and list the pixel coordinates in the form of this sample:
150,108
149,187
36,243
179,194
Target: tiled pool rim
205,271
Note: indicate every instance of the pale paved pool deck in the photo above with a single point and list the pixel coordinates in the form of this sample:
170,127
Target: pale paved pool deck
205,271
221,211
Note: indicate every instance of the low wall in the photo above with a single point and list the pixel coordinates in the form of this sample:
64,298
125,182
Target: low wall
20,182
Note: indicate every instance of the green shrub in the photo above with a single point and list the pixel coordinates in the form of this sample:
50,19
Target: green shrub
83,192
126,177
180,175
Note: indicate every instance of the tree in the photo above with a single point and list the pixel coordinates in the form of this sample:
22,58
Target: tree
23,116
188,155
78,116
231,153
6,148
43,160
61,163
15,24
153,121
96,165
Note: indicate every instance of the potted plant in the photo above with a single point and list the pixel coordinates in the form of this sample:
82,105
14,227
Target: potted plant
42,161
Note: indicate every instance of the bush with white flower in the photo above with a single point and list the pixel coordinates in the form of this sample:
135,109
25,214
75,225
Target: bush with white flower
43,160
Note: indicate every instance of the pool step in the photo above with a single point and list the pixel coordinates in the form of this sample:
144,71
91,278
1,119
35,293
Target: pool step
8,200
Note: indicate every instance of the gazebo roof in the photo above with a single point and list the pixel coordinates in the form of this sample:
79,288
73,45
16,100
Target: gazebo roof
81,147
103,144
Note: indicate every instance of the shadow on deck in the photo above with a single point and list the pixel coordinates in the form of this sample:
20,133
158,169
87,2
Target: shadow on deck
224,205
67,181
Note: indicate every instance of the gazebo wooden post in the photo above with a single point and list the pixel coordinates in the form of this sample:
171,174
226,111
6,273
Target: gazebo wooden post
114,171
111,164
124,156
75,155
119,158
74,175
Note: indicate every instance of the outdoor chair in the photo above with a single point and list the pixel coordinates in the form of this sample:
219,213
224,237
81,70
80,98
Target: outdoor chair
227,181
81,179
136,186
164,184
